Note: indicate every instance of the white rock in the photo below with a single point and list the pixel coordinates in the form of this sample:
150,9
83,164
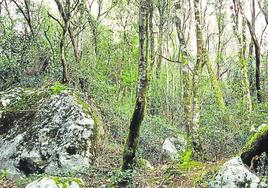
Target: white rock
148,165
253,129
5,102
173,147
43,136
261,126
169,147
85,121
50,183
234,174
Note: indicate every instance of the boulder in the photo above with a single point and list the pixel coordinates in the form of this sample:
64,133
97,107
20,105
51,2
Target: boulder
173,147
53,183
235,174
45,132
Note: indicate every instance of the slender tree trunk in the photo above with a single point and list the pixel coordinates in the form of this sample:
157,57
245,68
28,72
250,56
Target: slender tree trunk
186,96
197,71
137,117
220,25
185,72
238,8
215,84
247,97
161,5
257,47
159,52
62,55
151,31
258,80
74,44
95,40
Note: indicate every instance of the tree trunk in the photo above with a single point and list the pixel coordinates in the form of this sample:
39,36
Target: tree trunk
186,96
159,52
185,72
74,44
197,71
62,55
251,27
238,8
137,117
151,15
215,84
258,63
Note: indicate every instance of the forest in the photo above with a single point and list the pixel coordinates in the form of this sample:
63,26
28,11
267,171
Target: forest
133,93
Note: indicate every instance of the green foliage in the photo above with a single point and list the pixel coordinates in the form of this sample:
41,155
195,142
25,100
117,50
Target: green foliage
28,100
190,165
120,177
57,88
257,135
64,182
154,131
4,174
186,156
170,173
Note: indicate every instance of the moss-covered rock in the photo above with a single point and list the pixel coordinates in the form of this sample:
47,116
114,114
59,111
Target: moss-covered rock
43,131
256,145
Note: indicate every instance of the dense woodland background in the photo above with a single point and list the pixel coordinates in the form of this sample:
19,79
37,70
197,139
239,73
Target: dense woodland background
200,66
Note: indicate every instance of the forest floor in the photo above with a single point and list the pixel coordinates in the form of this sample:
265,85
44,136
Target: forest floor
106,173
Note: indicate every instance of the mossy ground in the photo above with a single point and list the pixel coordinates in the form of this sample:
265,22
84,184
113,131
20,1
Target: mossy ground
106,172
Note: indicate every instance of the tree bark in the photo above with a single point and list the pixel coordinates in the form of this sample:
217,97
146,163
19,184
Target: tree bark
65,12
197,70
137,117
63,58
151,25
257,59
215,84
74,44
238,9
185,72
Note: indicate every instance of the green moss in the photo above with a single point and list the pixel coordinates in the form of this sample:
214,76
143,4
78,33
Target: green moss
93,113
29,101
187,166
260,133
186,156
206,175
64,182
57,88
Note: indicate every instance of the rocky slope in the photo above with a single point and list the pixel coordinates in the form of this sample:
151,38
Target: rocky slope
50,131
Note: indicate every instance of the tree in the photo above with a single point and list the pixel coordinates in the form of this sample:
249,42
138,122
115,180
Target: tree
65,13
162,7
24,9
66,10
184,55
198,66
96,22
257,47
241,38
137,117
151,33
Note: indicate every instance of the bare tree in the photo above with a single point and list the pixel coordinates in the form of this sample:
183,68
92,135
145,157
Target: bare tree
137,117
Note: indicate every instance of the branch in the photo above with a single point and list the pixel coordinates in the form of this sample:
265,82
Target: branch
263,12
168,59
57,20
3,78
263,34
